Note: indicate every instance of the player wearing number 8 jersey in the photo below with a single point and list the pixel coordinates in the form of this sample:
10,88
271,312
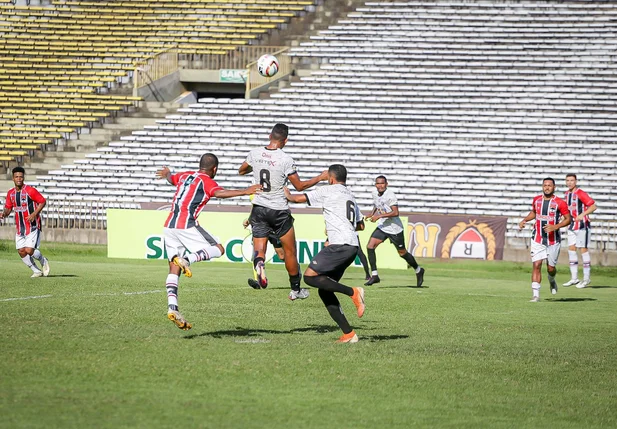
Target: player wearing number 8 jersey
272,169
326,269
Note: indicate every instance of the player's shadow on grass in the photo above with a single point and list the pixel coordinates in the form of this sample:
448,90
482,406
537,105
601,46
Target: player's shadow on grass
570,299
62,275
376,338
602,287
252,332
398,287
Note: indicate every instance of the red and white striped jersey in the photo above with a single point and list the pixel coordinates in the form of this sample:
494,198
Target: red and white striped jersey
24,203
193,191
578,201
548,212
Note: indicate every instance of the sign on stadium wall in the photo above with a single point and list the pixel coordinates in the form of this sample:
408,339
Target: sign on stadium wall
232,75
460,236
138,234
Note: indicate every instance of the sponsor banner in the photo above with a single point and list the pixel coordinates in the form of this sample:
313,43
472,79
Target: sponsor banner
456,236
138,234
232,75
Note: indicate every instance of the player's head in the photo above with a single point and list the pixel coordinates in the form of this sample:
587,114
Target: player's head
337,173
571,181
548,187
209,164
381,183
18,175
279,134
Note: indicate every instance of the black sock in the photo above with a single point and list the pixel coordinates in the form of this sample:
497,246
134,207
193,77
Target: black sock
372,258
363,261
334,308
256,260
294,282
322,282
410,260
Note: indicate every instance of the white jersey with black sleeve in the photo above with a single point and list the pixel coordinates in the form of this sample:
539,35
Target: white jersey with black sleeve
383,204
340,212
271,168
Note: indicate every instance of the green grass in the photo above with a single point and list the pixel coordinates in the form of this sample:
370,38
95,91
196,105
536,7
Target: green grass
469,350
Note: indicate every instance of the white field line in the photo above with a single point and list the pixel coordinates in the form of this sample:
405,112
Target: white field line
25,297
143,292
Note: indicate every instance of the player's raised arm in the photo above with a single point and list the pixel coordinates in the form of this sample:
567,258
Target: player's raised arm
164,173
294,198
230,193
301,185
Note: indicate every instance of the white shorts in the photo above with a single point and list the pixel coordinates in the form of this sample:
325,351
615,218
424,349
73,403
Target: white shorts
550,253
178,241
32,240
579,238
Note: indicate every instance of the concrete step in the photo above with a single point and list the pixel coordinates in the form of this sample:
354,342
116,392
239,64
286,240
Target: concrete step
136,122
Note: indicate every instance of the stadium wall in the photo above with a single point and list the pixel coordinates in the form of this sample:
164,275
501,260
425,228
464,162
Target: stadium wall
84,236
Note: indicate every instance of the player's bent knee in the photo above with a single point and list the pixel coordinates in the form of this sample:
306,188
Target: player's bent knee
221,248
311,280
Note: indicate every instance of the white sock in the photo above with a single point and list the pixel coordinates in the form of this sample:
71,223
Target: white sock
39,256
172,291
30,263
573,264
418,269
586,265
205,254
374,273
535,287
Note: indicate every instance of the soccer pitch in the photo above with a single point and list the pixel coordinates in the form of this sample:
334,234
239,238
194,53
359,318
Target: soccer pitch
90,346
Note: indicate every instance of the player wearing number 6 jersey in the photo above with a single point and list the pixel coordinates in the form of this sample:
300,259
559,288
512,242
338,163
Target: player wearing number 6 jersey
272,169
326,269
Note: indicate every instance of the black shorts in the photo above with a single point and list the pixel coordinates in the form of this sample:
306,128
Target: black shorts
275,241
266,222
333,260
397,239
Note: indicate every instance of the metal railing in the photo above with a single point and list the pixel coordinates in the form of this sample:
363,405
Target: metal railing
154,67
233,59
90,215
255,81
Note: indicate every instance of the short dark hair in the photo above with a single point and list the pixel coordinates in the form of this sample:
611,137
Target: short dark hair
549,178
571,175
19,170
208,161
381,177
339,172
279,132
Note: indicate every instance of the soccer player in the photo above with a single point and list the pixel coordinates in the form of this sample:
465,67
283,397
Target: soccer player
27,203
278,248
182,230
581,206
389,226
328,266
272,168
547,210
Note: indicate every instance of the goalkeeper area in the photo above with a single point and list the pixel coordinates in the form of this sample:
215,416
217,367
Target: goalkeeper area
91,346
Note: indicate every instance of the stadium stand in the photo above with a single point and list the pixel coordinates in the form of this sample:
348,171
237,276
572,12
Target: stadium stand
59,64
465,105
